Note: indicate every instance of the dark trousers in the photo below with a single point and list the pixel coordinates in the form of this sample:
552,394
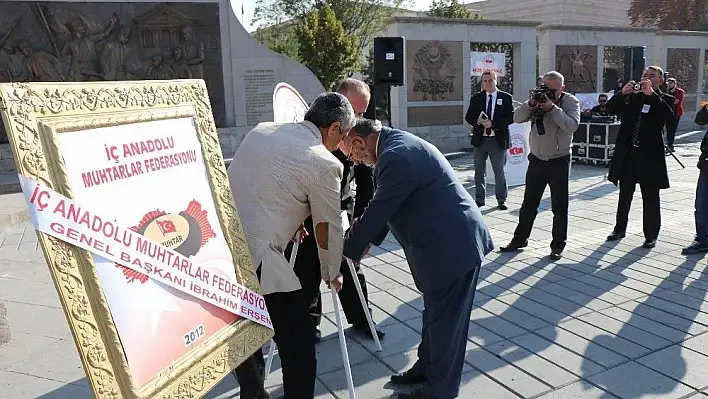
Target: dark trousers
671,126
701,215
296,349
552,173
650,198
446,320
307,269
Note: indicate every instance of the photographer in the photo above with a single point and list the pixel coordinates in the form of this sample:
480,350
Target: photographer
700,244
639,151
554,117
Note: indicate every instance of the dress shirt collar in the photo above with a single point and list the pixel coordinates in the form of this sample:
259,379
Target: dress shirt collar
315,130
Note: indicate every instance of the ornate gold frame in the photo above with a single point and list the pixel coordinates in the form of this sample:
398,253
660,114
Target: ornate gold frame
33,115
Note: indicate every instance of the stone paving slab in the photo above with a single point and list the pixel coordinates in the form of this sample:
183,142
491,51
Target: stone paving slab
610,320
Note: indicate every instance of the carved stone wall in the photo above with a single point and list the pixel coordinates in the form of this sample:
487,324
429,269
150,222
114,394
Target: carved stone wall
434,70
578,64
57,41
683,64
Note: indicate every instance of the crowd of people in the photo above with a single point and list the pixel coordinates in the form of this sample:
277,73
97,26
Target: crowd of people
292,181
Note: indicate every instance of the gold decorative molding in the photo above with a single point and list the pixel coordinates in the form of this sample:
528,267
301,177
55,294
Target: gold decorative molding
34,114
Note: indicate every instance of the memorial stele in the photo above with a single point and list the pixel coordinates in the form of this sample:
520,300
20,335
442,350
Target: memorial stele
104,40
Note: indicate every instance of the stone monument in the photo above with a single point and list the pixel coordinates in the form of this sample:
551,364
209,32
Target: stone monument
107,41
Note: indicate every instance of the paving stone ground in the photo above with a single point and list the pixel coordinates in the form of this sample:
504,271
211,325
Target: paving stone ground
610,320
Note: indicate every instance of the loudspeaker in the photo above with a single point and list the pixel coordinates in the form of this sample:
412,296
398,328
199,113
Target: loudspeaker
634,62
389,61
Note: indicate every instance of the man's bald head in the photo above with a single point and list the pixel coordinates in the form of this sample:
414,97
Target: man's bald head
358,94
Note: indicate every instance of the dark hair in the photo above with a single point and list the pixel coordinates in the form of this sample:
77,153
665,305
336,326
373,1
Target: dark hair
365,127
602,95
329,108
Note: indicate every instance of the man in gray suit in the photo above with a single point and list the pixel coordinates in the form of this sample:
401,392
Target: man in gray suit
444,244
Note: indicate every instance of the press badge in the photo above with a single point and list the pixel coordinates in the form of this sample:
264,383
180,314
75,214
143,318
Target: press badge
645,108
499,101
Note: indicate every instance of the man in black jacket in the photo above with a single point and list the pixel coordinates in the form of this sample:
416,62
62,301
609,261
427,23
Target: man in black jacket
700,244
639,151
307,263
490,113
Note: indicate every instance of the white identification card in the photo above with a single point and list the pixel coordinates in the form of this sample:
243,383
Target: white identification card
499,101
645,108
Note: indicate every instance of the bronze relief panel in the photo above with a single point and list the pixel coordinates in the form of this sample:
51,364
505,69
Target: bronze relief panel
81,42
578,64
434,70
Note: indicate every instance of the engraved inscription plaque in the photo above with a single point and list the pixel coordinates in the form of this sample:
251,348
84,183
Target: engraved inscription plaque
260,84
435,116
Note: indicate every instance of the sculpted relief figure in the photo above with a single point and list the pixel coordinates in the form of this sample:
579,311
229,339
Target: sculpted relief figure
180,66
159,70
39,66
116,57
193,52
82,48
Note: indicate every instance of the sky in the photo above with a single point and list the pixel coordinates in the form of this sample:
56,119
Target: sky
249,6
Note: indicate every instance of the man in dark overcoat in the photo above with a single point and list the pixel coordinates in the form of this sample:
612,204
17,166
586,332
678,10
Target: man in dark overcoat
639,151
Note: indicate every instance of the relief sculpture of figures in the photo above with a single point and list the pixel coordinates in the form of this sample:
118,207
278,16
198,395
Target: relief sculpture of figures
193,52
116,57
38,66
434,71
579,65
159,70
82,48
180,66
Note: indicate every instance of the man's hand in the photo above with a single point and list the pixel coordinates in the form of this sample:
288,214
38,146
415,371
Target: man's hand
487,124
336,284
628,88
300,234
531,101
547,105
646,87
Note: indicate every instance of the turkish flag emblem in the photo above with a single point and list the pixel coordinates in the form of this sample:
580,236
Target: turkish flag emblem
166,227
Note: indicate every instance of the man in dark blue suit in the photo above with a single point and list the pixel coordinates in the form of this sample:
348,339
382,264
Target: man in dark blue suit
420,199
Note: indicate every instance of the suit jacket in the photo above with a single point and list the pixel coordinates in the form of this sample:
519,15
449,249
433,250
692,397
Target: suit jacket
280,174
427,209
503,117
361,175
651,142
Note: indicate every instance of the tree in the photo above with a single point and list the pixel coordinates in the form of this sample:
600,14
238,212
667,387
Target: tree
669,14
325,47
362,18
451,9
280,39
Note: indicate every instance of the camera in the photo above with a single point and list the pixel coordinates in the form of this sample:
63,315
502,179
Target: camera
542,92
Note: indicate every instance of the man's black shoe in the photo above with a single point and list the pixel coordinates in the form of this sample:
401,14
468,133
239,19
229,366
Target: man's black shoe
502,206
514,246
408,377
695,248
416,394
318,335
479,204
364,329
616,235
649,243
556,254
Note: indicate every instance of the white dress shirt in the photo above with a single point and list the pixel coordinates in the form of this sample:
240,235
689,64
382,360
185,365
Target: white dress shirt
280,175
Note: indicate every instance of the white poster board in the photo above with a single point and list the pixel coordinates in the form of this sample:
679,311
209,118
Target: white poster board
288,104
517,160
483,61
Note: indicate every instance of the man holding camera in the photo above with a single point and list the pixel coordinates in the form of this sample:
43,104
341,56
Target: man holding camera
490,113
639,151
554,116
700,243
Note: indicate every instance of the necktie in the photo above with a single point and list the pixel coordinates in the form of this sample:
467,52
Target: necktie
635,131
489,115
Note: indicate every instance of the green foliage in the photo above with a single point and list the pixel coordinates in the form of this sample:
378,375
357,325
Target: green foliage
325,47
362,18
451,9
280,39
668,14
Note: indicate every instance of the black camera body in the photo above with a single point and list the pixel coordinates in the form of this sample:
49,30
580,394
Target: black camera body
542,92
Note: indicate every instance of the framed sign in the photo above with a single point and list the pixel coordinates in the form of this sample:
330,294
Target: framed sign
127,190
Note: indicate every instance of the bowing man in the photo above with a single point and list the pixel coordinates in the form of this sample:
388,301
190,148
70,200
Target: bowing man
444,244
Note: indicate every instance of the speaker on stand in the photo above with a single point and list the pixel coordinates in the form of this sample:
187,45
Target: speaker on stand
389,67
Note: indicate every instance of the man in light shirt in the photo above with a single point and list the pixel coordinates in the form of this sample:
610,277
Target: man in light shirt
282,173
